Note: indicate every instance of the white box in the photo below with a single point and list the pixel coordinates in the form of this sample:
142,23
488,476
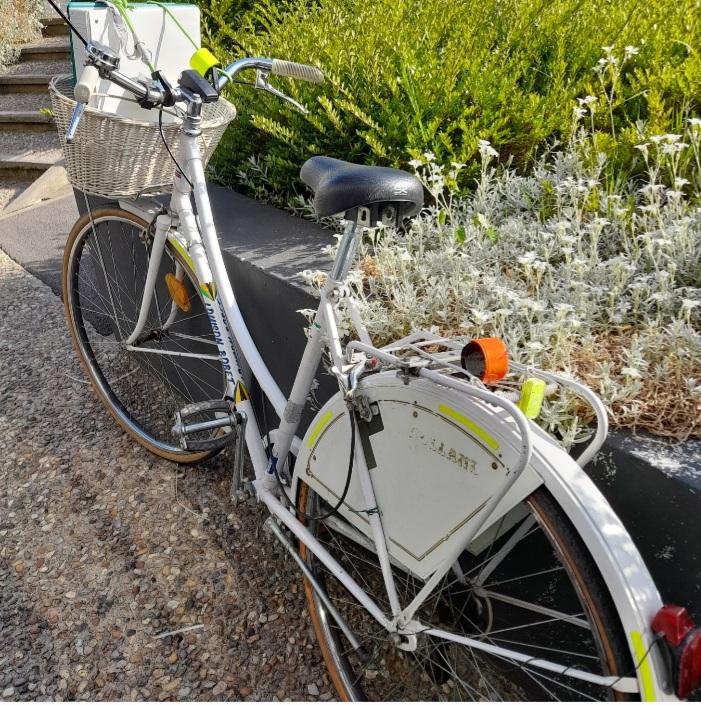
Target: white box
170,48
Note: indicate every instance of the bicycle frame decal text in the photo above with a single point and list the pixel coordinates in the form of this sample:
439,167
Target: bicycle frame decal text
219,340
229,336
448,453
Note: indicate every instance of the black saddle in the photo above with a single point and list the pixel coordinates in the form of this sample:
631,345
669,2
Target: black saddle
364,194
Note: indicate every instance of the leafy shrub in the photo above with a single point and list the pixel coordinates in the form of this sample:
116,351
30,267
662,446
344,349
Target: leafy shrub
406,77
605,286
19,23
221,20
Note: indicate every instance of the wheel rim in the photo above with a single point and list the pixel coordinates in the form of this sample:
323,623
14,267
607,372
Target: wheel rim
142,388
561,624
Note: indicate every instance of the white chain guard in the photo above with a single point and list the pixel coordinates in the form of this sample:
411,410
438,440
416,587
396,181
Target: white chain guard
435,458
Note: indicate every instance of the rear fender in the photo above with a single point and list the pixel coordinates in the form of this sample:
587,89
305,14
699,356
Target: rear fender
424,484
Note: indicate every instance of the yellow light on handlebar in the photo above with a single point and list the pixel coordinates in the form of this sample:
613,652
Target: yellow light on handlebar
203,60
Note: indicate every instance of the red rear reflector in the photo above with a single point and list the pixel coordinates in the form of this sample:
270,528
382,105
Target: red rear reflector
690,664
674,622
683,644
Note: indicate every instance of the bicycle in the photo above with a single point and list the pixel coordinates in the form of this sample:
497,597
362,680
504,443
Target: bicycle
500,573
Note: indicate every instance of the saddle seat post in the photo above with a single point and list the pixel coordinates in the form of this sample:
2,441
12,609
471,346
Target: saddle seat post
346,251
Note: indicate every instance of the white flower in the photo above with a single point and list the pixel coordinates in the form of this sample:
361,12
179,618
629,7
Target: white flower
631,51
674,147
482,220
564,308
429,156
486,149
415,163
528,258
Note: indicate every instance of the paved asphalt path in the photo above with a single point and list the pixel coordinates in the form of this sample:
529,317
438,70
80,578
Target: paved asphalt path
35,238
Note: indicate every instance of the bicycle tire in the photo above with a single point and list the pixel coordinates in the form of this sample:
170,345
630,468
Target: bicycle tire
104,269
446,670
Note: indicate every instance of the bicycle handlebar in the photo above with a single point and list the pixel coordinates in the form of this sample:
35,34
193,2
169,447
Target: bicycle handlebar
102,61
276,67
299,71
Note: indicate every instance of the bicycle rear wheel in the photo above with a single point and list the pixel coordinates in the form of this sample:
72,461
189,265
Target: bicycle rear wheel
535,590
175,362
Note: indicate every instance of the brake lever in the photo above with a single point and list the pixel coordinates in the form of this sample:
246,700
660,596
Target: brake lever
73,124
263,85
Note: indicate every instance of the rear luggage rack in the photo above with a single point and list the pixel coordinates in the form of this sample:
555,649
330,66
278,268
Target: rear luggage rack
428,355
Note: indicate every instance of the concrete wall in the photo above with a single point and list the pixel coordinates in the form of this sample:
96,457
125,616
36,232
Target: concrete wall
655,488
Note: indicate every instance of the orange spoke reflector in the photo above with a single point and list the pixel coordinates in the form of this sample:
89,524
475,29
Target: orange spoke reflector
178,293
485,358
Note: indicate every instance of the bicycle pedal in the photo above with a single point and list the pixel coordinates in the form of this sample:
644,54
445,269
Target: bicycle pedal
225,416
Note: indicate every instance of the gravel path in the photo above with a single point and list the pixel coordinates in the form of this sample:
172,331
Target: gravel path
102,551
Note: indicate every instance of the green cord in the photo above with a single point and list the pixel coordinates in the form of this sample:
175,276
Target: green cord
174,18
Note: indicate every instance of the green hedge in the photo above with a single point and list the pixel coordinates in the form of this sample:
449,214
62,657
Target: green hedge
405,77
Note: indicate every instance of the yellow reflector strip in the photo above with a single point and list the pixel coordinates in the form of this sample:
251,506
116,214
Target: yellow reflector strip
183,253
178,293
470,424
645,672
532,394
319,426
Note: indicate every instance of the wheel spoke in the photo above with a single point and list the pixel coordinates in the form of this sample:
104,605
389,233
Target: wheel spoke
146,385
530,605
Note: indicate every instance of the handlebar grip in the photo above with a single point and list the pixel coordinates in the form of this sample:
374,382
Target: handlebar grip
86,85
300,71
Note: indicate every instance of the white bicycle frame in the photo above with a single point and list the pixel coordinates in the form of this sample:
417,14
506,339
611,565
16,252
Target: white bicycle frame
632,588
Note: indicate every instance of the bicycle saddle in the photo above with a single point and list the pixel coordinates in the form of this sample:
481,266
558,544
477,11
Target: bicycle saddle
364,194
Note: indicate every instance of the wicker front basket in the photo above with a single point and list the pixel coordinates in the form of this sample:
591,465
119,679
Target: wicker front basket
113,156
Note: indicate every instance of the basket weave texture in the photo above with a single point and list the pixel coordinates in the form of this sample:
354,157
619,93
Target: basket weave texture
113,156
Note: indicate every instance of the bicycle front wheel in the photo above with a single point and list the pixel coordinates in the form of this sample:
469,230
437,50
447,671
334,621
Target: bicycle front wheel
534,590
174,363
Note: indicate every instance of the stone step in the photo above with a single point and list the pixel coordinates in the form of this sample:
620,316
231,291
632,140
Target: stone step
42,66
28,154
33,77
25,102
53,48
25,121
24,83
54,27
